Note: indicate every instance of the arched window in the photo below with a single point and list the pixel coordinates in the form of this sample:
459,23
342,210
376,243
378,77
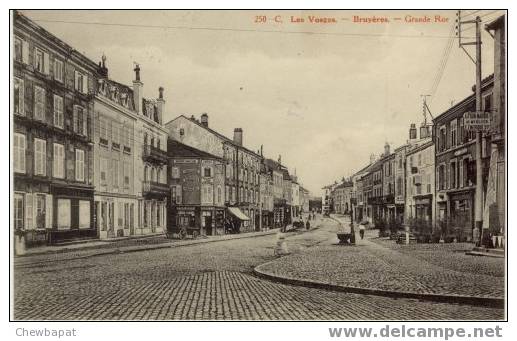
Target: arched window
145,173
152,141
153,174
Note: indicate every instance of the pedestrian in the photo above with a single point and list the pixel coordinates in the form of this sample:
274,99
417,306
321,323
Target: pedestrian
307,225
361,231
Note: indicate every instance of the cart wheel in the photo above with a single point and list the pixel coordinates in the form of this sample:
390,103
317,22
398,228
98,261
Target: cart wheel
182,234
195,234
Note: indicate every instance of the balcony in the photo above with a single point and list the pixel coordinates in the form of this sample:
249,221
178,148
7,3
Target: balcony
154,189
154,154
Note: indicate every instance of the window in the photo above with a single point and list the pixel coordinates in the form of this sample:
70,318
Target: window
18,49
84,214
80,121
103,170
454,125
18,211
41,61
63,214
103,131
219,195
115,133
58,112
175,172
453,175
41,210
114,169
126,174
207,172
58,70
59,161
19,153
487,105
40,157
19,96
39,103
79,165
81,82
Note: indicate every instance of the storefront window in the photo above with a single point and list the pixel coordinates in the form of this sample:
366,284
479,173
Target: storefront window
40,211
63,214
84,214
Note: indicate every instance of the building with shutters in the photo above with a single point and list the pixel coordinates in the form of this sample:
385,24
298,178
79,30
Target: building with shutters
455,164
242,171
115,121
196,181
52,137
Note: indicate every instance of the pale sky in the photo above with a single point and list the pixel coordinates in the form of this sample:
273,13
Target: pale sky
325,102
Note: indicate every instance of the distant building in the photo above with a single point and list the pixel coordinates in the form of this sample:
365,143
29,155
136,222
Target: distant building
341,197
196,181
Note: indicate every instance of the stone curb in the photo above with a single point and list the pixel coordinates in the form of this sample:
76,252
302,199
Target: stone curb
130,249
484,301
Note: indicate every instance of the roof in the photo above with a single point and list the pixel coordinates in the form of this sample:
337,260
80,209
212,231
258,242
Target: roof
421,146
178,149
497,23
223,137
464,103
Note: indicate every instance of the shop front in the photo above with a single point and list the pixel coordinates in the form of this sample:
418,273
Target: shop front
73,213
236,221
461,217
212,221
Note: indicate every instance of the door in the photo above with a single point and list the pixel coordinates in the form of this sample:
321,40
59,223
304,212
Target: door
208,225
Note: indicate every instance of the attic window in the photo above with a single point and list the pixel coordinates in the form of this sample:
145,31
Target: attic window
182,131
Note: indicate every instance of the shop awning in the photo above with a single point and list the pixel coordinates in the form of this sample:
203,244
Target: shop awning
237,213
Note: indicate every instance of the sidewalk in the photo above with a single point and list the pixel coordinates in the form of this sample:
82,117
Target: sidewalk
99,248
372,268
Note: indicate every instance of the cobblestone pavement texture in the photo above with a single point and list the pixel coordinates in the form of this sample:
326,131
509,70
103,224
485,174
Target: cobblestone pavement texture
375,266
204,281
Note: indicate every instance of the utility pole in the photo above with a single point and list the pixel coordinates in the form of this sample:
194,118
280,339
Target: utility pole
478,204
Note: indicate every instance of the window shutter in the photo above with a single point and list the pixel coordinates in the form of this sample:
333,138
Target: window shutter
76,83
29,211
48,211
46,67
43,154
16,150
75,119
21,148
178,194
21,94
85,123
25,52
85,84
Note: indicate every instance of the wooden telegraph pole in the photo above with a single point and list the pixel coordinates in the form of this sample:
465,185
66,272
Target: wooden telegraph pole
478,204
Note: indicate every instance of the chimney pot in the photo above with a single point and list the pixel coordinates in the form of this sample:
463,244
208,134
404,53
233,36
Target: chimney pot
160,92
204,119
237,136
137,72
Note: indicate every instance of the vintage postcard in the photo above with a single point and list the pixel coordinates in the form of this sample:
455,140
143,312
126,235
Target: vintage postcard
259,165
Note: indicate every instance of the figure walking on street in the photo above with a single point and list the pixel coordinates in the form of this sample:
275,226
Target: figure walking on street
307,225
361,231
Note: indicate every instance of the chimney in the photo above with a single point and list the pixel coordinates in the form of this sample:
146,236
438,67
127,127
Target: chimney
261,150
138,90
160,104
424,131
412,132
237,136
204,119
280,159
387,149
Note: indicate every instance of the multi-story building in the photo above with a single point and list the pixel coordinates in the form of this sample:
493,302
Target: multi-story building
358,194
494,216
151,160
420,173
52,137
342,195
295,198
196,180
274,168
388,184
266,196
400,182
456,163
304,199
115,120
376,200
242,165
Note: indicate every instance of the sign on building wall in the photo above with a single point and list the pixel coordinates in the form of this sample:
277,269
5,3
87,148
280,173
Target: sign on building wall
476,121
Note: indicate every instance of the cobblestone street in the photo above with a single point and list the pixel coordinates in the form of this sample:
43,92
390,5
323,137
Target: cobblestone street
204,281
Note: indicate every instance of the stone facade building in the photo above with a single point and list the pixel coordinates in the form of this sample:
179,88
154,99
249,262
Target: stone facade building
52,137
